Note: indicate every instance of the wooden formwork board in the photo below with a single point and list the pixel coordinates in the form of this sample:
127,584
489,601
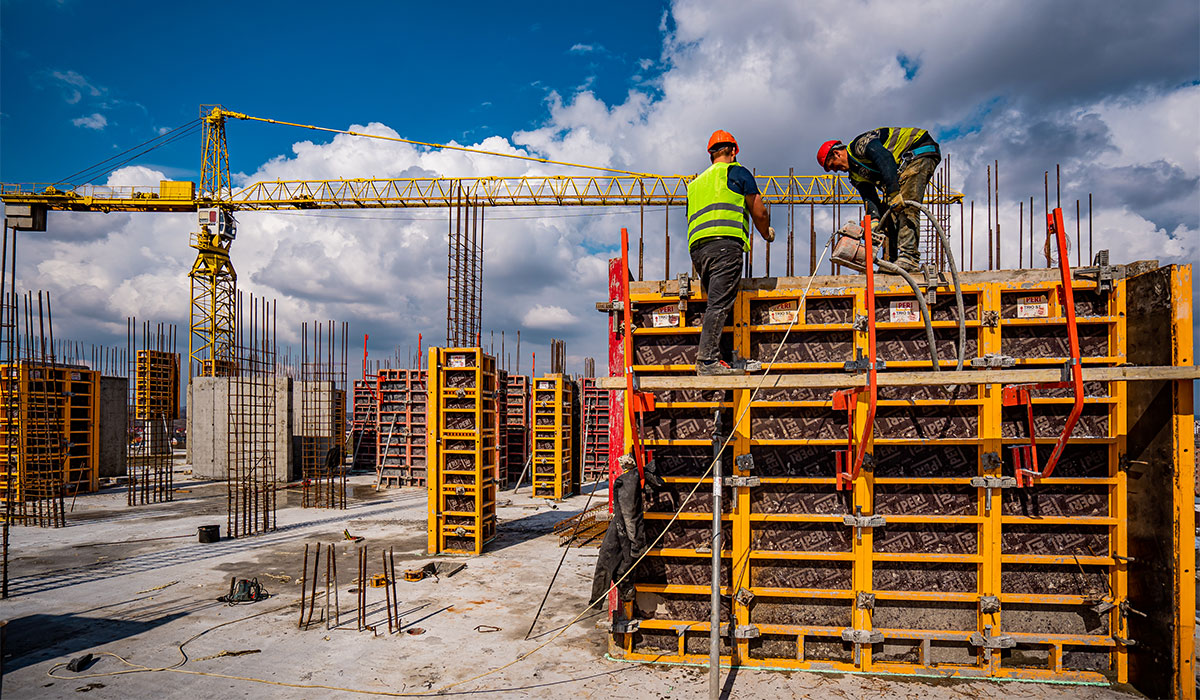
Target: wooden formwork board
555,445
956,580
462,456
401,426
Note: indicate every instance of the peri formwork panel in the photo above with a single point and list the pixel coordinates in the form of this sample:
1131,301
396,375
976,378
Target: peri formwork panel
401,427
364,420
594,416
462,455
555,445
516,425
955,579
49,445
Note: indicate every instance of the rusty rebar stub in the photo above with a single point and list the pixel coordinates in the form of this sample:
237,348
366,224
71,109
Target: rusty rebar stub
865,601
989,604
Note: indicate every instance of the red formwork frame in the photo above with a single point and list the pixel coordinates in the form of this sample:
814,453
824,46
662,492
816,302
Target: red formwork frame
401,424
597,415
517,425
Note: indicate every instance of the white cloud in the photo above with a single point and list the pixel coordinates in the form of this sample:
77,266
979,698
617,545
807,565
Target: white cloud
549,317
94,121
1116,119
582,48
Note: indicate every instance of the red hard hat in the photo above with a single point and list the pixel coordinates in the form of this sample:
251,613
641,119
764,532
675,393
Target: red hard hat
721,136
823,152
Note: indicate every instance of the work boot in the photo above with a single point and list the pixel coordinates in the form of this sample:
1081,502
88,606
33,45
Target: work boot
908,264
716,368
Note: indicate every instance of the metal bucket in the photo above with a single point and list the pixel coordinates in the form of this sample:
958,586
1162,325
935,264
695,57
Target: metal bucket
209,533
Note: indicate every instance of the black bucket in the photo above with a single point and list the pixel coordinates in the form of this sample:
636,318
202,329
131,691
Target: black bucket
210,533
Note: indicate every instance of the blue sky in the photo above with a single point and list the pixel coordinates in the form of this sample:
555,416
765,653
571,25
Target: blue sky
636,85
432,74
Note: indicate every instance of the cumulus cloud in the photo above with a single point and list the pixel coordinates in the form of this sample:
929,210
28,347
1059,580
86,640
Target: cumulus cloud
95,121
1031,87
548,317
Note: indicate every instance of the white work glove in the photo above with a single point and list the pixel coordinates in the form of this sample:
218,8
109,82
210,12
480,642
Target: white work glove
770,234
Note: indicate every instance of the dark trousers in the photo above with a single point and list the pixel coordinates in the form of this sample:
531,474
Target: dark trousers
718,261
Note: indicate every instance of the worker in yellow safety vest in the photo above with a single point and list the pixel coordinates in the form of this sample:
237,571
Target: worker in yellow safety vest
899,162
721,202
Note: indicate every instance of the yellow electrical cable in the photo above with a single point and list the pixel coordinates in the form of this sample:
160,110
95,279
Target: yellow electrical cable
674,517
547,161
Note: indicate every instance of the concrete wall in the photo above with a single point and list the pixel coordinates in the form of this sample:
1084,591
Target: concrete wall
208,427
112,416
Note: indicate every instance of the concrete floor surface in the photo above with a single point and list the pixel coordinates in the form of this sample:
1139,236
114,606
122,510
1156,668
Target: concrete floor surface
136,583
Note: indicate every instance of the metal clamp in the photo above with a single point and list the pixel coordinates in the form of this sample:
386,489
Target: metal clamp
865,601
685,286
987,641
742,481
991,319
746,632
1123,641
745,462
858,638
992,482
989,604
610,306
859,521
993,360
860,323
625,626
744,596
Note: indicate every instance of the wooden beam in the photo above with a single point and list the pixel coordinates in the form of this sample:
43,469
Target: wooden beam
833,380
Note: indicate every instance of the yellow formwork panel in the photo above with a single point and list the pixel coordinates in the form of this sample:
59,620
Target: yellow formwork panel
461,450
49,439
555,460
956,579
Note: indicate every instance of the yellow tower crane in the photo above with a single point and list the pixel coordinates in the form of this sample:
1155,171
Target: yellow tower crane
213,315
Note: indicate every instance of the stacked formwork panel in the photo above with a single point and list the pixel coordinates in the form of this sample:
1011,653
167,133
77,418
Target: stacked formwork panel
462,442
364,419
517,426
595,428
555,445
501,427
401,427
49,445
952,570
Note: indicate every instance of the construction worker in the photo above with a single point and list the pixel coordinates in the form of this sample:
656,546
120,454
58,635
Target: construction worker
721,202
897,161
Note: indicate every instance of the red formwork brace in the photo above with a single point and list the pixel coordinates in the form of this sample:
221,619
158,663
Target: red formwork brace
616,366
848,462
639,402
1025,458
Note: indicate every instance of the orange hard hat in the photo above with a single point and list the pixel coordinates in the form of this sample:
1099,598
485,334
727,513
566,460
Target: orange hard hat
720,137
823,152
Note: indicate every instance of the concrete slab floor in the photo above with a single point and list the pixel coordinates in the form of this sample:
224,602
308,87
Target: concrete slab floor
135,582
